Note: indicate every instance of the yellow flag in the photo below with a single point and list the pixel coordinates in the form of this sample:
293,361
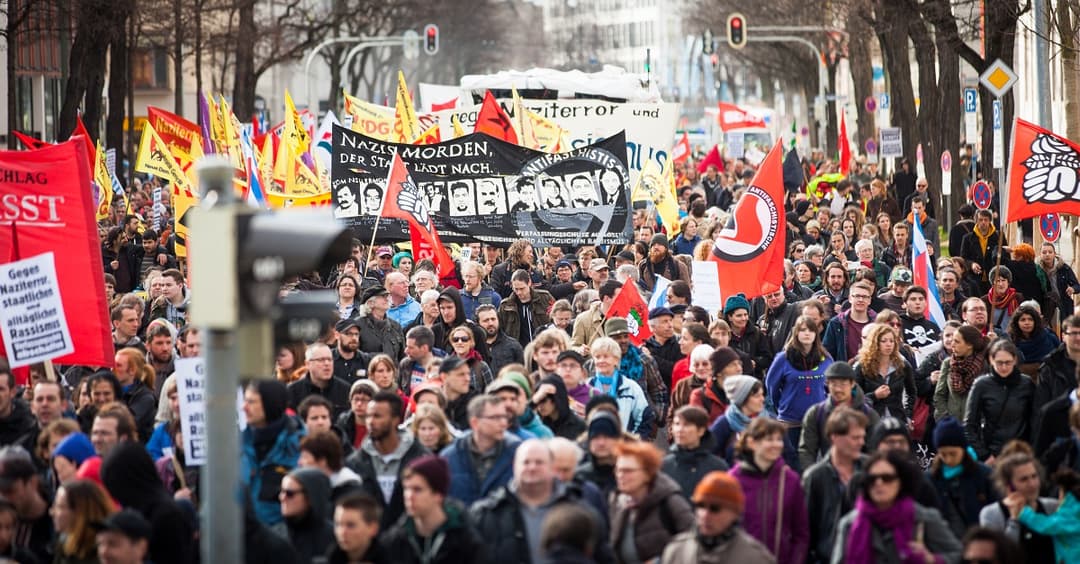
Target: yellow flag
295,135
266,163
154,158
429,137
406,126
277,200
523,123
458,130
657,186
370,119
104,182
217,127
547,134
303,181
231,133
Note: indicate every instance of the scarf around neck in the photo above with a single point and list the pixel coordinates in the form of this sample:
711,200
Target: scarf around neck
962,372
631,366
984,240
900,519
736,418
1007,302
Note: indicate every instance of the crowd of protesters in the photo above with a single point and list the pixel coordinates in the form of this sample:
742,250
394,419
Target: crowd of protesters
501,415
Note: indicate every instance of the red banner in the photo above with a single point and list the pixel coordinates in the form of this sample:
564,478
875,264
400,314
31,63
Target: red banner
1044,173
404,201
845,148
46,205
174,130
750,248
628,303
494,121
734,117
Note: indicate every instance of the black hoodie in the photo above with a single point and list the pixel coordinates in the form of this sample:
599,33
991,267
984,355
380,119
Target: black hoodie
131,479
16,426
566,423
312,532
442,329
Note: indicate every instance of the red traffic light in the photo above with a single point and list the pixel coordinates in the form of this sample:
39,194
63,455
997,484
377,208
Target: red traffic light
736,31
431,39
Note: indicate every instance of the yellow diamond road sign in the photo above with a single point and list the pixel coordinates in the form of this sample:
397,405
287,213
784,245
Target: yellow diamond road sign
998,78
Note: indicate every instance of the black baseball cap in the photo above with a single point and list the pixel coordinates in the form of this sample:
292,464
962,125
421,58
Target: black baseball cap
572,355
128,522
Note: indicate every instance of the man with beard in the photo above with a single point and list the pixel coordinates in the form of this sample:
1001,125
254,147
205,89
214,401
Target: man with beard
502,348
779,316
384,454
948,283
474,292
974,313
160,349
834,292
660,262
491,200
347,204
348,360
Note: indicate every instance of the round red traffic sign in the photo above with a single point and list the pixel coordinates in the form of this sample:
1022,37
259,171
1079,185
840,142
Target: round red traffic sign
1050,225
871,104
946,161
980,195
870,146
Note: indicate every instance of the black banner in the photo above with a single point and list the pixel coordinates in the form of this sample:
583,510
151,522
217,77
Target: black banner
483,189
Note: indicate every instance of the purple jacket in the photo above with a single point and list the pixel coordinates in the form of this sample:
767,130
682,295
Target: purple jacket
759,518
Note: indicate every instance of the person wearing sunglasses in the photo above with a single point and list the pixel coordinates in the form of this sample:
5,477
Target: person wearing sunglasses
463,343
718,507
307,509
887,525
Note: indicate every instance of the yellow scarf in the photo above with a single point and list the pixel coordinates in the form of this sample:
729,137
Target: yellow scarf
984,240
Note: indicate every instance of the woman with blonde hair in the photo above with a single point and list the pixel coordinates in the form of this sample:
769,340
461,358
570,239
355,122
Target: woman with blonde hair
884,376
80,505
137,388
430,427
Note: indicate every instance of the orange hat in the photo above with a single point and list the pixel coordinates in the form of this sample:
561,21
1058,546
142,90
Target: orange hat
720,487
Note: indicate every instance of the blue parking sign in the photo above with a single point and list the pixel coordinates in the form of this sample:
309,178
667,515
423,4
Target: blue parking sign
886,101
971,99
997,114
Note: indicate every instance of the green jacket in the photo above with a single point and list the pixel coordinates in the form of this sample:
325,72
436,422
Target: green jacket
947,402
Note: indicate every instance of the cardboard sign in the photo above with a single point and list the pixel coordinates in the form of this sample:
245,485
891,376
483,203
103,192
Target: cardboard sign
32,316
191,390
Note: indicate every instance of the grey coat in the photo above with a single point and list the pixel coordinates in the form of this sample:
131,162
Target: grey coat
937,536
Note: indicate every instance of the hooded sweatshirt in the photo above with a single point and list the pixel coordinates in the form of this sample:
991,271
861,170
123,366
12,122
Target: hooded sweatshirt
131,479
564,423
442,329
313,531
18,424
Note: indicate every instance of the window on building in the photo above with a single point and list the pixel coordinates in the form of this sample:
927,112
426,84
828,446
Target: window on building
151,68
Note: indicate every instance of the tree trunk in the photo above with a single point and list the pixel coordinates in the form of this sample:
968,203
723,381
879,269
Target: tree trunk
892,34
832,122
862,71
119,76
178,59
244,78
1067,20
197,53
930,102
1000,32
12,80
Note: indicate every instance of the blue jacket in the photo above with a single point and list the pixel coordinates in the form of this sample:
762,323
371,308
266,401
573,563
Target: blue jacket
531,422
486,296
634,411
1063,526
464,485
835,338
725,438
159,440
263,478
405,313
793,391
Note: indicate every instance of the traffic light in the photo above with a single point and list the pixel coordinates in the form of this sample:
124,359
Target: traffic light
736,30
431,39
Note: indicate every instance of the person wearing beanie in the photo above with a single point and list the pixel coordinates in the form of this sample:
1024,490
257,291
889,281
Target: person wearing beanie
745,336
962,482
747,400
270,446
72,451
660,262
725,362
434,528
814,442
598,466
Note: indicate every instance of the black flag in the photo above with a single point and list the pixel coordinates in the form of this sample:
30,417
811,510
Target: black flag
793,172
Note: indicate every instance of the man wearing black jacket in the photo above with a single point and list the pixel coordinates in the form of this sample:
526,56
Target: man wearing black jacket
553,404
320,380
663,346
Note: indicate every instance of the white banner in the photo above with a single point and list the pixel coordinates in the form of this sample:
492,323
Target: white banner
32,318
191,390
735,148
650,128
892,143
705,286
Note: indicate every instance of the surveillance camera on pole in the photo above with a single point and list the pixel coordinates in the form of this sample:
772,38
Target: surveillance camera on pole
736,30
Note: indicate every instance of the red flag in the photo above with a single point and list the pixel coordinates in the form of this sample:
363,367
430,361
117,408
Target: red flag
448,105
493,121
91,150
404,201
628,303
713,158
681,151
750,248
52,210
31,143
734,117
845,148
1043,172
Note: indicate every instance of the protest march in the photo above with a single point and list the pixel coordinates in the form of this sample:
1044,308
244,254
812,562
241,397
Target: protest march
563,332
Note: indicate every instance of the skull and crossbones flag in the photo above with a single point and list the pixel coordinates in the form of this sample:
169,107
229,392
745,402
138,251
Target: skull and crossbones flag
1044,173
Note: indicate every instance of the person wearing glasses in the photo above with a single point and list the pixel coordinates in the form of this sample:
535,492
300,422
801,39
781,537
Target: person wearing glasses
320,380
887,522
648,508
843,334
481,460
717,535
463,343
999,405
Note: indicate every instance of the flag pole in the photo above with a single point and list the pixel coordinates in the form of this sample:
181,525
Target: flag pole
382,206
